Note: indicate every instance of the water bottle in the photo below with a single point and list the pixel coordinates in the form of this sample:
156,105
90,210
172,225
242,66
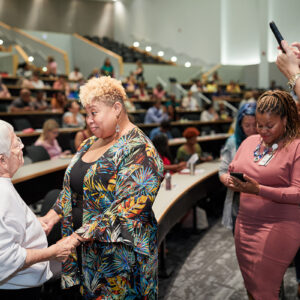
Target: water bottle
168,177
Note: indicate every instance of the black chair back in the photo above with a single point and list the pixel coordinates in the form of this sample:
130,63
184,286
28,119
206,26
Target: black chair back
21,124
37,153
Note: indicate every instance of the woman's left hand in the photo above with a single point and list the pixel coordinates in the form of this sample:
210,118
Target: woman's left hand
251,186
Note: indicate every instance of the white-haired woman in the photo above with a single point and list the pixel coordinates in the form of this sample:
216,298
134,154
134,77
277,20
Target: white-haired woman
24,255
108,192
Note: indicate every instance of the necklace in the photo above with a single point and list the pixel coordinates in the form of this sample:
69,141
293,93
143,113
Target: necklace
258,156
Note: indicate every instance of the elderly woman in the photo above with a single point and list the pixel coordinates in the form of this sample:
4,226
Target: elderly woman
106,201
23,243
267,231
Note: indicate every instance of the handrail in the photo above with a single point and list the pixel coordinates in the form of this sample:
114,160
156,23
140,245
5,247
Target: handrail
5,25
108,52
64,53
22,53
212,70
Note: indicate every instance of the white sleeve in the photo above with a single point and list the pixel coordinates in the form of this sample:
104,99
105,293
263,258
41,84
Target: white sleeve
12,254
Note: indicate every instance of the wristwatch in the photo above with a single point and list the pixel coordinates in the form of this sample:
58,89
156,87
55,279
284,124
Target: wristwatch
292,81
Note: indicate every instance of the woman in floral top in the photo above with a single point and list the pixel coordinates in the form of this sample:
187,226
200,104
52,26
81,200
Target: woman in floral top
106,202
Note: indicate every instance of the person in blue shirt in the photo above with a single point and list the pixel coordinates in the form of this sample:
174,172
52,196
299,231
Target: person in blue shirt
156,114
165,127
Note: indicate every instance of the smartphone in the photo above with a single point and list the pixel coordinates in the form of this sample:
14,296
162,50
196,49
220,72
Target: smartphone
239,176
277,34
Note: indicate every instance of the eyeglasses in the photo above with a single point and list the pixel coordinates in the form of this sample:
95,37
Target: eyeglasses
20,143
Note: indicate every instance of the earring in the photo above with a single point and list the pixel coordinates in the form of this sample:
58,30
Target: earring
117,129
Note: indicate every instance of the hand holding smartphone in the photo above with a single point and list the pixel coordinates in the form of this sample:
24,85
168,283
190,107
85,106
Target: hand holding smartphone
277,34
239,176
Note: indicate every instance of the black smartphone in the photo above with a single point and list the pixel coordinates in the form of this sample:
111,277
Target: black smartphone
239,176
277,34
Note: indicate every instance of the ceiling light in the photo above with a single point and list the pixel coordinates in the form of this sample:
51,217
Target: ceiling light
187,64
136,44
161,53
1,42
148,48
30,58
173,58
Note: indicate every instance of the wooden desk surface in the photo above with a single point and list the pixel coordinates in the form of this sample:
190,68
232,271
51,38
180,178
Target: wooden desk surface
182,183
186,123
204,138
29,113
41,168
37,132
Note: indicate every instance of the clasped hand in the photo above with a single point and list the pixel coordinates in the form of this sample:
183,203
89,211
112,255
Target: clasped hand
65,246
251,186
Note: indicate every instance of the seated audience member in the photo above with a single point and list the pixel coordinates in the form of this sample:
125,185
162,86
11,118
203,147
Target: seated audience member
76,75
51,66
107,69
211,87
59,102
4,93
24,70
139,71
247,98
129,105
141,92
73,117
165,127
223,112
34,82
197,89
95,73
156,114
24,256
216,78
82,135
172,104
160,142
189,102
39,101
159,92
48,139
130,84
23,103
62,84
191,146
209,113
233,87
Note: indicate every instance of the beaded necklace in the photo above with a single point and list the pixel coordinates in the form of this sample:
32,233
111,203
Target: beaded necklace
258,156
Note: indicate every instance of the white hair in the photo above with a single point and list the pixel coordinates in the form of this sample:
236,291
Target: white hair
5,137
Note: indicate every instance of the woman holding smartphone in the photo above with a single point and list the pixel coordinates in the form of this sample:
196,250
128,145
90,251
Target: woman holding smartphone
267,232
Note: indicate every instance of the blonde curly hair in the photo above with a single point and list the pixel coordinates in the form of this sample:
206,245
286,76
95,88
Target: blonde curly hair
105,88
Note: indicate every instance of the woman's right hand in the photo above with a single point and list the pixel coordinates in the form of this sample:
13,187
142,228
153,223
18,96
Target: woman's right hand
63,248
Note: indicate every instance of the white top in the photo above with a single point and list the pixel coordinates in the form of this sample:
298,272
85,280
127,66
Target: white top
19,230
189,103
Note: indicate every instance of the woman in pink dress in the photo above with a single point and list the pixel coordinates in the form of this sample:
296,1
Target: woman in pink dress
267,232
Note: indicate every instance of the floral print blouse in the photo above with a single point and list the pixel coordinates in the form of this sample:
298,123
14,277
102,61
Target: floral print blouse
119,189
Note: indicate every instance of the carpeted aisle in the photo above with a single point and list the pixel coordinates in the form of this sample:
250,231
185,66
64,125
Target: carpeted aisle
205,267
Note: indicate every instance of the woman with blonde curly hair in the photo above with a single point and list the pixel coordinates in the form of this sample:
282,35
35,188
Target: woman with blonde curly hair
106,202
267,231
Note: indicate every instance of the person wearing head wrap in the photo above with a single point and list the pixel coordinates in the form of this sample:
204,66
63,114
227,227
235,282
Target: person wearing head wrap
245,126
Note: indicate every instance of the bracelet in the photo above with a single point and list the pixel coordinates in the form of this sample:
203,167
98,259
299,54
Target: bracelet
292,81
